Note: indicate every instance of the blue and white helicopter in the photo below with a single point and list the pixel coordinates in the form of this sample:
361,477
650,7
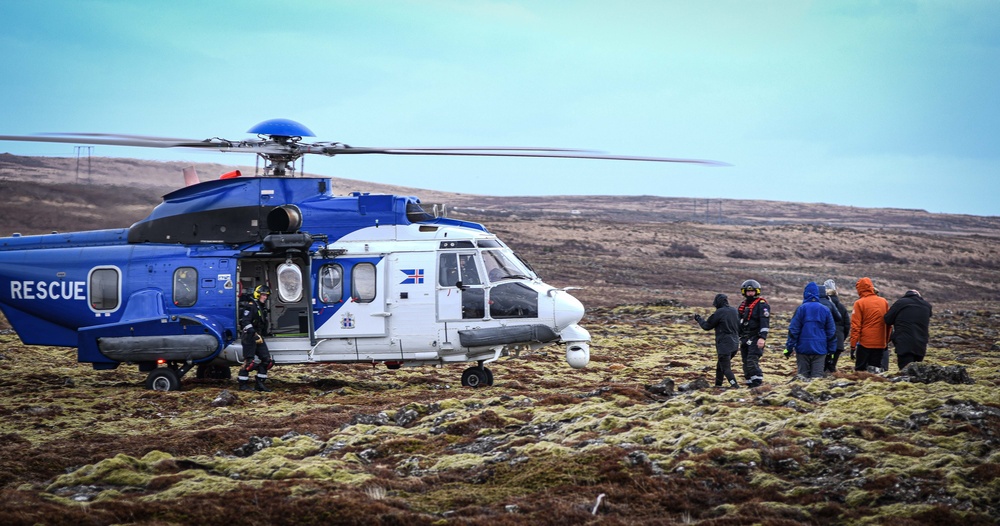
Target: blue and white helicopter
359,278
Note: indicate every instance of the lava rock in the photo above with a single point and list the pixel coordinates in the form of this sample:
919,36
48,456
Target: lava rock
665,387
919,372
254,445
225,398
695,385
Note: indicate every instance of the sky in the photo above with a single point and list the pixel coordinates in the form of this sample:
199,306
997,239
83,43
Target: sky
866,103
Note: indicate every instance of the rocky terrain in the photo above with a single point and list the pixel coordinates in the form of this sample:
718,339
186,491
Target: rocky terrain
638,437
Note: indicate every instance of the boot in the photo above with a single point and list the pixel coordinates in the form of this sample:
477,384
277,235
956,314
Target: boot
733,384
260,385
245,385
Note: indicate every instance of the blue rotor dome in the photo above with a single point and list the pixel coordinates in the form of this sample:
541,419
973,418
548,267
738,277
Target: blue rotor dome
281,128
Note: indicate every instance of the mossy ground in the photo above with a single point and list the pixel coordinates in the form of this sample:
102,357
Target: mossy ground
541,446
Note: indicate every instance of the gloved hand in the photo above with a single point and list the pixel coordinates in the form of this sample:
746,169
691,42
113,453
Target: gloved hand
258,339
787,353
854,351
697,318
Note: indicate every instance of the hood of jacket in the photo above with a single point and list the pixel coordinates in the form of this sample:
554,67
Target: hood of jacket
865,287
721,300
811,292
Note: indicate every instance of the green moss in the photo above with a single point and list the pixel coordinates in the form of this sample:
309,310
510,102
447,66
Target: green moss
121,470
761,479
459,462
858,497
746,456
199,483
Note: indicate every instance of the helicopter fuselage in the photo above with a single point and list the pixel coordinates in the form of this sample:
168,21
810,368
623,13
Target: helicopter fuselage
356,278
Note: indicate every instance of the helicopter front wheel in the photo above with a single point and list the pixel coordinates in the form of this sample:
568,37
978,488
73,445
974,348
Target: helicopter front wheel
477,377
163,379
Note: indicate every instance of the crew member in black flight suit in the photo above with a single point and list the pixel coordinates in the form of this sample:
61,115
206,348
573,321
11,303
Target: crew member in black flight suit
755,316
254,324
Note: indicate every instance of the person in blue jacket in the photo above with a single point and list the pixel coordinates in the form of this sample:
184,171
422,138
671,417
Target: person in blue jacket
811,334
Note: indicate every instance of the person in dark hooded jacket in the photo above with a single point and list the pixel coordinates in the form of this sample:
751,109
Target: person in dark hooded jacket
910,318
725,321
843,325
811,334
825,300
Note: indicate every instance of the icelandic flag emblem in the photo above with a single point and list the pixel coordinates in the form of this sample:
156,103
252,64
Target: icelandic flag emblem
413,276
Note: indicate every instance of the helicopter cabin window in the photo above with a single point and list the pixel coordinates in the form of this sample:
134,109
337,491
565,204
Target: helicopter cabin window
104,288
331,284
185,286
363,283
289,282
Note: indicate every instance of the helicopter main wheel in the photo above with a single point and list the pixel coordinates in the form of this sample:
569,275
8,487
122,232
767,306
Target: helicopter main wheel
163,379
477,377
214,372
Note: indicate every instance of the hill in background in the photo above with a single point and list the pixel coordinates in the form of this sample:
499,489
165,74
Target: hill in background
621,249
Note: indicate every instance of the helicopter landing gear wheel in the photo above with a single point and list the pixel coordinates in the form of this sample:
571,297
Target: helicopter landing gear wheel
477,377
163,379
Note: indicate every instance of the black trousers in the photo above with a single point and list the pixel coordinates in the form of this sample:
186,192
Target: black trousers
249,351
724,368
865,358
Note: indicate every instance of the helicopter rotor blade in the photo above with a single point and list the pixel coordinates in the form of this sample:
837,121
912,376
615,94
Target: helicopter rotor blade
290,150
557,153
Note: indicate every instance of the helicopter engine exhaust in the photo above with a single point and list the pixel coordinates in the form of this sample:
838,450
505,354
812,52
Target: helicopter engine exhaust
285,219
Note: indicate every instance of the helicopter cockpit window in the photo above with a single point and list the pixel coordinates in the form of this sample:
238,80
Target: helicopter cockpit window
501,265
363,283
467,269
185,290
331,284
453,268
448,270
289,282
104,289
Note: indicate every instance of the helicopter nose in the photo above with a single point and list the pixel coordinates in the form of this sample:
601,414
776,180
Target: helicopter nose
567,309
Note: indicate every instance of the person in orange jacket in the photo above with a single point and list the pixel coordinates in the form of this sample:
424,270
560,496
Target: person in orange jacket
869,333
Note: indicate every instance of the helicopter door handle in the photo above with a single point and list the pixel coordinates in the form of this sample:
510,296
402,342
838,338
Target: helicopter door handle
382,314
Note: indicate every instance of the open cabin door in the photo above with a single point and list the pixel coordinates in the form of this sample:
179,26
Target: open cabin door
288,304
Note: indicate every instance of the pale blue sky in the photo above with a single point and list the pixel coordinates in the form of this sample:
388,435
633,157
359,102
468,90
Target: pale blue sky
865,103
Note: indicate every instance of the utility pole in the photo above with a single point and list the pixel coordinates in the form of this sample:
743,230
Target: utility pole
78,149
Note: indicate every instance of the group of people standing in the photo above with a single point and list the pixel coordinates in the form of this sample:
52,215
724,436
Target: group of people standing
819,330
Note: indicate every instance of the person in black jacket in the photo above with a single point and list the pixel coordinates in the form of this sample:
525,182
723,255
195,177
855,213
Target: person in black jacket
910,318
755,317
842,323
254,325
725,321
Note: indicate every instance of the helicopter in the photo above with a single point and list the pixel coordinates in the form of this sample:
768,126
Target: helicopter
357,278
